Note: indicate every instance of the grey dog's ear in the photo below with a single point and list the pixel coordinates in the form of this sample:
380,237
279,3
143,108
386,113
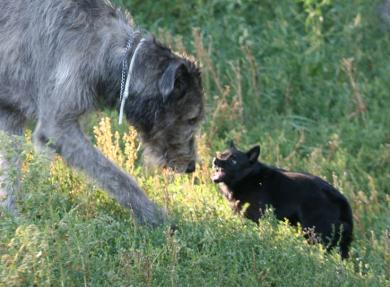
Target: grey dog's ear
253,153
168,79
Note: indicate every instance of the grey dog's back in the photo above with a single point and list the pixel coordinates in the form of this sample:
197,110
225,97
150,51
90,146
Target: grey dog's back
46,43
62,58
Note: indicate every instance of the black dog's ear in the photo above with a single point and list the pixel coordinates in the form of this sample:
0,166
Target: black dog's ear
253,153
231,145
169,78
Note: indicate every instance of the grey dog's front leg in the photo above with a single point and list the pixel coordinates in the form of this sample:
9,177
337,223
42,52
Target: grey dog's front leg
78,151
11,126
8,184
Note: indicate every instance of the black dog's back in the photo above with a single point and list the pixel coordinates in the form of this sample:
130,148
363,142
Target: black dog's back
334,215
299,197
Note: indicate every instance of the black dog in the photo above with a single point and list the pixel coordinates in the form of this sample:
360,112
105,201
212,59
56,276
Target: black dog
299,197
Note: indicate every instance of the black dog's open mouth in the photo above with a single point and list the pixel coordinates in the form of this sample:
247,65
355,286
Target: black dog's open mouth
218,175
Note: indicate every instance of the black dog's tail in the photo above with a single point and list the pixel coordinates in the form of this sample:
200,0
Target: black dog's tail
346,225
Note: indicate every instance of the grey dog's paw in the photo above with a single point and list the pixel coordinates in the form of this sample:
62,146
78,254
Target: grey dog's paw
153,216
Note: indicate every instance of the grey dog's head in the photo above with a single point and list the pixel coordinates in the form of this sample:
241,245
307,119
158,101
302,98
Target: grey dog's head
167,106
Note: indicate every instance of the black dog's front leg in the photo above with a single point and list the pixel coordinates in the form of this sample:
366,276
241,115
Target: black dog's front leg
235,204
71,143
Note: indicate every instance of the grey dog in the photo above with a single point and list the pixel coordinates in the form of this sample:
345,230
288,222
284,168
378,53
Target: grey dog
60,59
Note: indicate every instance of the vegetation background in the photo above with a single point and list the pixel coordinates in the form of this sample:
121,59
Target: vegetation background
308,80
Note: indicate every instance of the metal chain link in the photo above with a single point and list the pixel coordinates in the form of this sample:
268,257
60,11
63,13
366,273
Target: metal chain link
124,68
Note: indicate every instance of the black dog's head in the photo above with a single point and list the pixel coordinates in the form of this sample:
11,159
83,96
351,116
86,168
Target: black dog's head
233,165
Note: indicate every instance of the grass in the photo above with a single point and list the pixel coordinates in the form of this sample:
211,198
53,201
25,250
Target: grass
305,79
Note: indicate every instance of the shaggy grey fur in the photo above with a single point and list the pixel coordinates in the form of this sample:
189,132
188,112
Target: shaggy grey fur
60,59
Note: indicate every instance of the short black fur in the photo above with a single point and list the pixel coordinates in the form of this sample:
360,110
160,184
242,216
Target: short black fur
299,197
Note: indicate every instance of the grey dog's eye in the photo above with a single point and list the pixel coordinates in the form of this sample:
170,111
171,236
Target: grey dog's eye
234,161
192,121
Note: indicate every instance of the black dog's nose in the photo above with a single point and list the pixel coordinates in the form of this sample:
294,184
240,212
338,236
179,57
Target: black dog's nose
190,167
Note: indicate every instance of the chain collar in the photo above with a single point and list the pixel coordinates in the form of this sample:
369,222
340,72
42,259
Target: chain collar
126,73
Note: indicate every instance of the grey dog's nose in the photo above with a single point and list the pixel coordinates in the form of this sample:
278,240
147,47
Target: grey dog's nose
190,167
